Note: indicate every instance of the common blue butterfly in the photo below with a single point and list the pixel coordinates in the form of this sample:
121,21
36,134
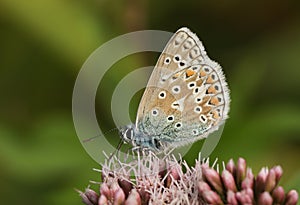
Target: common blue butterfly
186,98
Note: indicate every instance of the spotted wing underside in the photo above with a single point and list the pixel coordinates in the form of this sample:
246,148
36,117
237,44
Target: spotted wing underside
186,97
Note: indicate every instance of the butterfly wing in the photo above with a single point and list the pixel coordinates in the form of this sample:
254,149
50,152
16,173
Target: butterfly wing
186,97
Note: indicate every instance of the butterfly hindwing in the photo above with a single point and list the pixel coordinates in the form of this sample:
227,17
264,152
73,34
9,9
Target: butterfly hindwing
186,97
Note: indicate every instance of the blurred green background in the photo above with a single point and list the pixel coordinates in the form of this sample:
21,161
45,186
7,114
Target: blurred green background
43,45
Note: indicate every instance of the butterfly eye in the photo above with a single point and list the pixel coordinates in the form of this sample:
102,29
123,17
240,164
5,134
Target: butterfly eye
128,134
154,112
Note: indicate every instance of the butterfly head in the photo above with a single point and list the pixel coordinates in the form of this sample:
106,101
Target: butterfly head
127,133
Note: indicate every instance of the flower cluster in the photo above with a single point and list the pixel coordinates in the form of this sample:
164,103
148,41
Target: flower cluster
237,185
150,180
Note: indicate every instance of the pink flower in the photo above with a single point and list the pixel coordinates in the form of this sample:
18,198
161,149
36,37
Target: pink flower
150,180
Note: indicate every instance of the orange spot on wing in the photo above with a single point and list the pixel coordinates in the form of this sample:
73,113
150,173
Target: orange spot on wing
202,73
211,89
199,82
189,73
209,80
204,100
214,101
215,115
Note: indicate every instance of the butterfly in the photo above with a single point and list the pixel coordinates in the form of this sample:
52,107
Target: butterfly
185,100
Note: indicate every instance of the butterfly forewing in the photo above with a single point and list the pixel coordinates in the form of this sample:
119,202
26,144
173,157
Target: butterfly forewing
186,97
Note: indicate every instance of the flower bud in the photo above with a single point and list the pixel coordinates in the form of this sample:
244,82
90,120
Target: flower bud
203,186
265,199
270,181
243,197
248,182
125,185
231,167
291,198
102,200
211,197
92,195
104,190
278,195
228,181
85,198
133,198
261,180
241,169
231,198
278,173
213,178
119,197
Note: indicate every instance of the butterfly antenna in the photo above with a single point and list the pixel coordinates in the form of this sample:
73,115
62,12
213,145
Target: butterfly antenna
92,138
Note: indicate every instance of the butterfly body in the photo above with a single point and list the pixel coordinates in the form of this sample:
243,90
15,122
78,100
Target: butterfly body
185,100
